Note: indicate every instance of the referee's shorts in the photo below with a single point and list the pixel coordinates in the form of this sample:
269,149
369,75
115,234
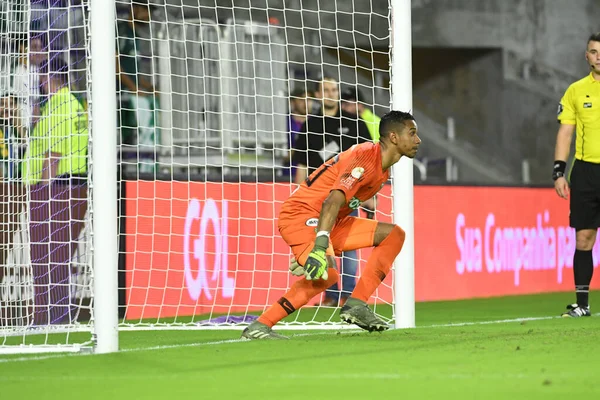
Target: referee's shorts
585,195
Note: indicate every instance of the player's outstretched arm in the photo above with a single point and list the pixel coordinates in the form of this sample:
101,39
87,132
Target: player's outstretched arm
316,263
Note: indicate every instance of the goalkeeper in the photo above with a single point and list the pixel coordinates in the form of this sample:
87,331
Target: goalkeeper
314,222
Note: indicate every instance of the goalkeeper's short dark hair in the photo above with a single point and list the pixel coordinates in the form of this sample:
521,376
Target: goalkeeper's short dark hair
393,121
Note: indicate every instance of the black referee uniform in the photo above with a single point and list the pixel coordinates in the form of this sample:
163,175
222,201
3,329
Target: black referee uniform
579,111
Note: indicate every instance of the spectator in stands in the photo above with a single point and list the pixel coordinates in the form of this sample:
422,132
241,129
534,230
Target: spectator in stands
136,89
55,169
12,131
300,104
63,24
324,136
52,17
354,103
352,106
328,133
26,85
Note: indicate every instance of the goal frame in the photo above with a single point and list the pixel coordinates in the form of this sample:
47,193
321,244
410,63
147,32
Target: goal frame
105,326
402,185
104,177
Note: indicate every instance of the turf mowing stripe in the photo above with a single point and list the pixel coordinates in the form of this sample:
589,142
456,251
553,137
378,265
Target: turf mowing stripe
219,342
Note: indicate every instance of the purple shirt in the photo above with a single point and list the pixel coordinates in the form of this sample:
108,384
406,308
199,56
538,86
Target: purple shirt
294,127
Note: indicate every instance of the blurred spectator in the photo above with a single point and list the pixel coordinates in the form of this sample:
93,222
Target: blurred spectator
353,102
353,105
300,103
38,49
137,103
328,133
12,132
26,83
55,170
53,18
323,137
63,24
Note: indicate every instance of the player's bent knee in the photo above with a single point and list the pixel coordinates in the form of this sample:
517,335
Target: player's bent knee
399,233
395,240
389,231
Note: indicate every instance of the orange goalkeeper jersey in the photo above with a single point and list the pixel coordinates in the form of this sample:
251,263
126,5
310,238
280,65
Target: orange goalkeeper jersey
356,172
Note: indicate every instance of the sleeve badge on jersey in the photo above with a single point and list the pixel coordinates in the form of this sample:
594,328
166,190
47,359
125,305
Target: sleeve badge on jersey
560,109
357,172
348,180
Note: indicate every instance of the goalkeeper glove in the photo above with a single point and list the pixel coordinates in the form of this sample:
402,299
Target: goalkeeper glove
295,268
315,266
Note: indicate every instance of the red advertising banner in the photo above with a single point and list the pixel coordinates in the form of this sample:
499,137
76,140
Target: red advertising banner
194,247
485,241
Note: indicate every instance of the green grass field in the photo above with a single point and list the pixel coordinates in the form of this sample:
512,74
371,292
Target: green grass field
460,350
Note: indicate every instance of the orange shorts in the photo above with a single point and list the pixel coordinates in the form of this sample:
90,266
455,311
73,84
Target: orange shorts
348,233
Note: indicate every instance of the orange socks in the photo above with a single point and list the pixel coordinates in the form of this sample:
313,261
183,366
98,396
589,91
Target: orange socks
299,294
379,264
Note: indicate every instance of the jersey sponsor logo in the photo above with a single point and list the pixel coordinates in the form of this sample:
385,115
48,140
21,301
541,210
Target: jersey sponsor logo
312,222
560,109
587,105
343,130
354,203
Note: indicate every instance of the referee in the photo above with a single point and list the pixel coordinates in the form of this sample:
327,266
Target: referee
579,110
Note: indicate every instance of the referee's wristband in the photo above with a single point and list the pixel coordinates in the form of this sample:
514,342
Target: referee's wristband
559,169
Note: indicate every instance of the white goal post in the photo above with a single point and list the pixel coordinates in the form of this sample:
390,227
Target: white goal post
181,223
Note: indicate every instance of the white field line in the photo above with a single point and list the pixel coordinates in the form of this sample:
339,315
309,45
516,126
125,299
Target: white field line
220,342
499,321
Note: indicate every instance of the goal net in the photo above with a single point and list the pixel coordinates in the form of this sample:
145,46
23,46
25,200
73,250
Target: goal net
210,102
205,146
45,258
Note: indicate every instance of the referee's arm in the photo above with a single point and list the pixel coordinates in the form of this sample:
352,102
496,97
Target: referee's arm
561,153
